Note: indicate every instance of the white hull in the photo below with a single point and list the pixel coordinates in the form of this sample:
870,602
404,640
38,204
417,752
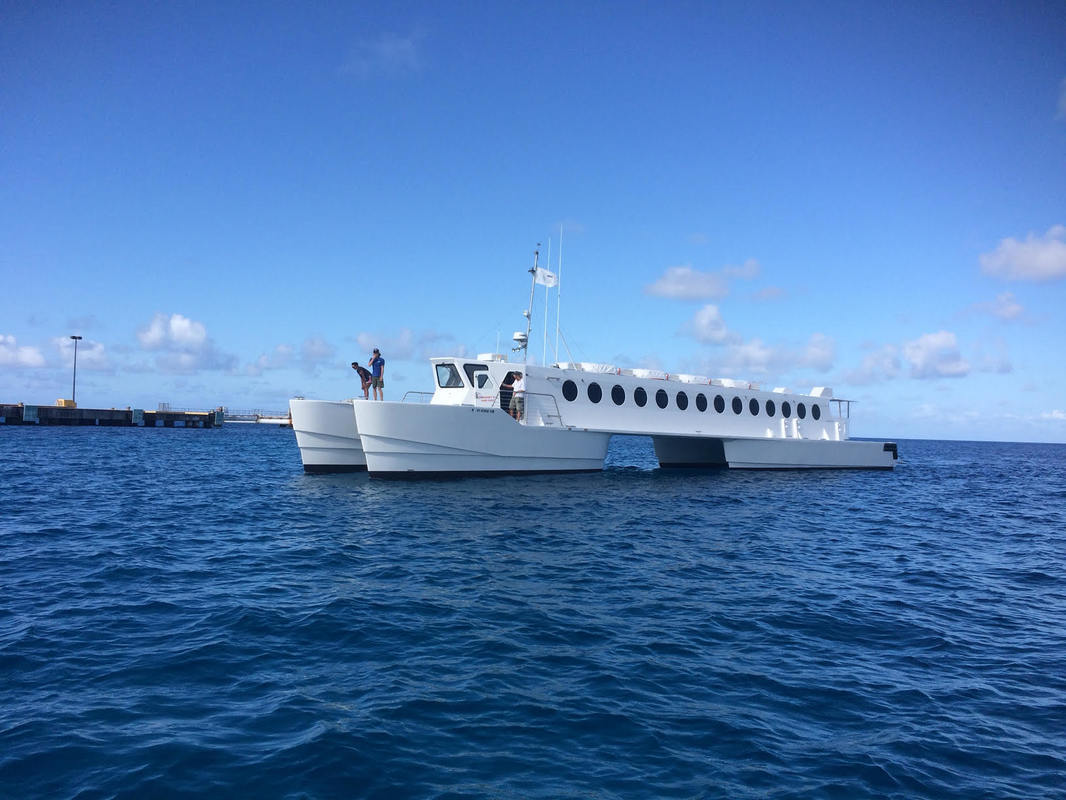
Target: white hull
327,436
772,453
409,440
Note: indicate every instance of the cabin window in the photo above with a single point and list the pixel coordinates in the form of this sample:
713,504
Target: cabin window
595,392
682,400
786,409
448,377
640,397
753,407
738,405
701,402
771,409
719,403
570,390
801,411
618,394
476,379
816,411
662,399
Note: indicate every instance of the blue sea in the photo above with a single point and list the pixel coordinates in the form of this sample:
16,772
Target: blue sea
186,613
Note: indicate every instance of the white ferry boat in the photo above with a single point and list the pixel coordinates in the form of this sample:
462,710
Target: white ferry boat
570,412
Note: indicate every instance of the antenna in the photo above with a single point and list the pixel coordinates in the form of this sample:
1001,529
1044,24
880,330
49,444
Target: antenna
522,339
547,291
559,293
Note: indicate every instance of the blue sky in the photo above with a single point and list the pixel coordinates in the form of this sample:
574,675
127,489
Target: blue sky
231,202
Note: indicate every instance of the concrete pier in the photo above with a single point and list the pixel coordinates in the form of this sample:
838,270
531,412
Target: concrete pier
20,414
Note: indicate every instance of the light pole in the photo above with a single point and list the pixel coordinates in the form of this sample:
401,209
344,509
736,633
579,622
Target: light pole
74,387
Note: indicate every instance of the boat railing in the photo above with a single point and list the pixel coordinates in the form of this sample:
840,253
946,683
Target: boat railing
417,397
542,410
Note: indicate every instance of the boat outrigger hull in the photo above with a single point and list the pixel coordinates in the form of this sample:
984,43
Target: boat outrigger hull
406,440
327,436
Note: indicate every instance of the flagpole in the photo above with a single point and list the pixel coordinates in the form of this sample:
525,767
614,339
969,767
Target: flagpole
547,291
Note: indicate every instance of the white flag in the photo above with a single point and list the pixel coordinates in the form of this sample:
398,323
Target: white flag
546,278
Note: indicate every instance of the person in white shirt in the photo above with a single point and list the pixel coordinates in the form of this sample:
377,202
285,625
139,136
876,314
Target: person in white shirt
518,399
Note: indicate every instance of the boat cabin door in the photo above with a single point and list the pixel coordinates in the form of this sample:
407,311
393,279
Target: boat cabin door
485,389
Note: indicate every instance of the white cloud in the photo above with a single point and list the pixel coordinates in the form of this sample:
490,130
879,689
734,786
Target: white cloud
881,365
1005,306
1038,258
768,293
91,354
408,345
182,345
176,332
1055,414
388,54
685,283
11,355
314,352
708,326
820,352
935,355
279,358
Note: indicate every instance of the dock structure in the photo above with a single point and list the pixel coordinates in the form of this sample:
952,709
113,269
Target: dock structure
70,415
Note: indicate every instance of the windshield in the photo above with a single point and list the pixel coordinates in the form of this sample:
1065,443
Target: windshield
448,377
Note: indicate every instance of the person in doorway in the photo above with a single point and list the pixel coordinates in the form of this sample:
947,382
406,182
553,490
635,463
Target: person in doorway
518,399
507,392
377,374
364,378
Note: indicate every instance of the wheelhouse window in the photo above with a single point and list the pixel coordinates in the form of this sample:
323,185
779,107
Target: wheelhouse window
570,390
640,397
618,394
448,377
478,374
662,399
801,411
816,411
682,400
786,409
738,405
771,409
719,403
701,401
753,407
595,392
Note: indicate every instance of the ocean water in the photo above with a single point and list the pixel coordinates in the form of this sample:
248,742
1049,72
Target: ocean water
186,613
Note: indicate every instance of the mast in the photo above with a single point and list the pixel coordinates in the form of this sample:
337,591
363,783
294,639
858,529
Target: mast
559,294
520,337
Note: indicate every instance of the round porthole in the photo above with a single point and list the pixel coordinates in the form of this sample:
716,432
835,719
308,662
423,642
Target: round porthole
816,411
771,409
682,400
570,390
719,403
618,394
595,392
662,399
753,407
786,409
701,402
738,405
640,397
801,411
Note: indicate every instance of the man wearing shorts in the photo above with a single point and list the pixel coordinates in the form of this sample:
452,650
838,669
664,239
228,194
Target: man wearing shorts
518,399
377,374
364,378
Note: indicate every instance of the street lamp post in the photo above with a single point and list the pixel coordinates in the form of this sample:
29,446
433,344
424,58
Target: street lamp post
74,387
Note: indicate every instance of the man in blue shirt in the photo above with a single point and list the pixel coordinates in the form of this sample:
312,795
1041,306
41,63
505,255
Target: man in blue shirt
377,374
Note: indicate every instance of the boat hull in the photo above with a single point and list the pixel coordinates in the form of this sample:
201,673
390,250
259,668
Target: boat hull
406,440
705,452
327,436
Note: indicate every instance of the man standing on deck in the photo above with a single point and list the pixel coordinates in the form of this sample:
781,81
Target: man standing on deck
364,378
377,374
